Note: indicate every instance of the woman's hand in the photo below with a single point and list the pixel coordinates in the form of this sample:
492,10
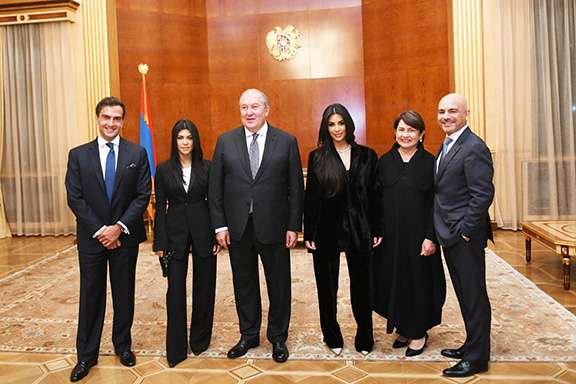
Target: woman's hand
160,253
310,245
428,248
377,241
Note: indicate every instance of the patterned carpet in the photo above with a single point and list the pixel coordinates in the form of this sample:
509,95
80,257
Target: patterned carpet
39,311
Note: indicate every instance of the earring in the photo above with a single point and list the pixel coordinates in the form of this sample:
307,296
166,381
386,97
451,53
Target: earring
420,139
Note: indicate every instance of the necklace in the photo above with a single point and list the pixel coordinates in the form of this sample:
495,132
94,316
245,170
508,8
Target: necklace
343,151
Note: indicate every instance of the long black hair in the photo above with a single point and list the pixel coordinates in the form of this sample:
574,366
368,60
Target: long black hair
199,166
329,170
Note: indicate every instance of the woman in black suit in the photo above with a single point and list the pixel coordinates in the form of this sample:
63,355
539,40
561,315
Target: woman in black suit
409,281
182,221
342,213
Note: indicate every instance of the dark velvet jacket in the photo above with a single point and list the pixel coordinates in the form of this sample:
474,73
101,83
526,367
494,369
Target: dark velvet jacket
350,220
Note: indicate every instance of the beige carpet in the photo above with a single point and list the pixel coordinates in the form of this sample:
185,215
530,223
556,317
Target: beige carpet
38,313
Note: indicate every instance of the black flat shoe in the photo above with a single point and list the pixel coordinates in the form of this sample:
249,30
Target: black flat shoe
81,370
465,369
415,352
400,344
127,358
242,347
453,353
280,352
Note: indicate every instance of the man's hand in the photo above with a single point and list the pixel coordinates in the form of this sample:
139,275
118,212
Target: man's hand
223,239
291,239
215,249
109,236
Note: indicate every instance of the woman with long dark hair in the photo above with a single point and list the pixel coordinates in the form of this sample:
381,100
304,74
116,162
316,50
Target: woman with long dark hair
342,213
181,222
409,281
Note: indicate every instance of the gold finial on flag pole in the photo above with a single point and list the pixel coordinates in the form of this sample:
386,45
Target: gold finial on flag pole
143,68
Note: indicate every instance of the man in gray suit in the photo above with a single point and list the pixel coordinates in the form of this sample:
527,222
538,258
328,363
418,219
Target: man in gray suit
464,191
256,191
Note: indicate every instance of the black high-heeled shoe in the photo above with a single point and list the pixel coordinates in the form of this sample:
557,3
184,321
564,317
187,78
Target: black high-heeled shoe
415,352
400,344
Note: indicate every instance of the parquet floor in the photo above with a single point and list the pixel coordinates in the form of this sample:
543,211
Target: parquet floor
545,270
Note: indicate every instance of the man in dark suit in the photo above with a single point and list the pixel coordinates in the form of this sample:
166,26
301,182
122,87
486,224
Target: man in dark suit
255,195
108,186
464,192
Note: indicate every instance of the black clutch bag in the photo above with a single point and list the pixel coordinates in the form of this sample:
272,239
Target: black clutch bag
164,261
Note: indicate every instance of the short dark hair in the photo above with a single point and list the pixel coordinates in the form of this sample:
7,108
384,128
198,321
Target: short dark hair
411,118
110,101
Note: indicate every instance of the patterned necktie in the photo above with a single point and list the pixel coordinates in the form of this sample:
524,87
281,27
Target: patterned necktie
447,142
110,173
254,155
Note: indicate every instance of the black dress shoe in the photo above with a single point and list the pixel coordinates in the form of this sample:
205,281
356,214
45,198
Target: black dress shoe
415,352
81,370
453,353
465,369
280,352
242,347
127,358
400,344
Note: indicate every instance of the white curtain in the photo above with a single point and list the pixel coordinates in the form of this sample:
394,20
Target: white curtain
4,227
552,177
40,125
531,74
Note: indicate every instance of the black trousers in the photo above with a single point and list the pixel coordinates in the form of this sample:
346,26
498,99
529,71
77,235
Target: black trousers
203,296
326,270
466,262
276,261
93,271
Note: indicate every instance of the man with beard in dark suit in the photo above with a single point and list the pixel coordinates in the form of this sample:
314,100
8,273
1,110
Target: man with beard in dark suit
108,185
255,196
464,192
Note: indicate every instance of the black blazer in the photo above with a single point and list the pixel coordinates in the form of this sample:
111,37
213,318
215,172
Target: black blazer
464,191
351,219
187,213
277,190
88,200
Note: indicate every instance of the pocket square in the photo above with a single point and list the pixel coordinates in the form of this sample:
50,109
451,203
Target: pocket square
131,165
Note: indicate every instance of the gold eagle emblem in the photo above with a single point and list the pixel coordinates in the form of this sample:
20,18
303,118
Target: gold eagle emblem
283,44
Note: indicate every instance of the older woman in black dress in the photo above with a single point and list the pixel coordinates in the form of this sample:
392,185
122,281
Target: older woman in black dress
342,213
409,279
182,221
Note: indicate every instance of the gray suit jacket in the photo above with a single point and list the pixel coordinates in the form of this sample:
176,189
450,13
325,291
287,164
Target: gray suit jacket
277,190
464,191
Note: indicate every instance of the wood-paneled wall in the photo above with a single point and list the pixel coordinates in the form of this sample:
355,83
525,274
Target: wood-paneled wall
378,58
406,66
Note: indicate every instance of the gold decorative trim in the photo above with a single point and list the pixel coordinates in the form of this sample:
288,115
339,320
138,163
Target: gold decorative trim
27,5
38,12
283,44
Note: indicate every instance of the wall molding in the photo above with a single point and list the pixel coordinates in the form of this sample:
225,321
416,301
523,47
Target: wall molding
28,12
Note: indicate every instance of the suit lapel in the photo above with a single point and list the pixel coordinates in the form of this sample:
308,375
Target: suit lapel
94,154
452,153
240,139
122,162
269,148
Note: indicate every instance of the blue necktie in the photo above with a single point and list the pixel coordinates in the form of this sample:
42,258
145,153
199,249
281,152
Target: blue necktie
110,174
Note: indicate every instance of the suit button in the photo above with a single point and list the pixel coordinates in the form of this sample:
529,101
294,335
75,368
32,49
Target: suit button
185,204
